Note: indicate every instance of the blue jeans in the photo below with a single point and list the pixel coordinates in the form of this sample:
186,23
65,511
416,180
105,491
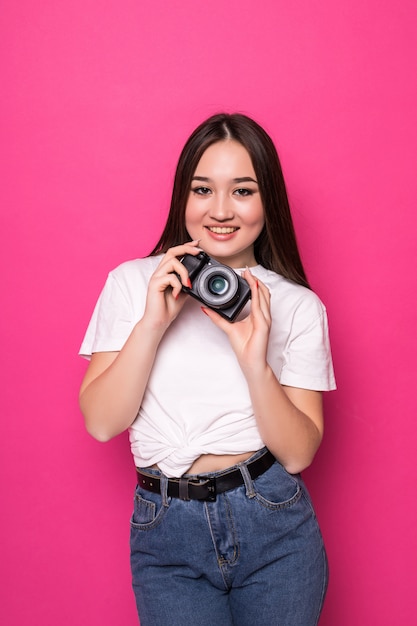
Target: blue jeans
254,556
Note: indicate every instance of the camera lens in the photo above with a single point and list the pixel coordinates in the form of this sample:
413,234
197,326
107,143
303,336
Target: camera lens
218,285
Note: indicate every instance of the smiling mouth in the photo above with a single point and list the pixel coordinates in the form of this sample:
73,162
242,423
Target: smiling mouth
222,230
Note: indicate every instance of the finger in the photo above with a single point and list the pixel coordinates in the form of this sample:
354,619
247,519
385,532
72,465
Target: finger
162,282
253,283
265,308
171,260
264,293
260,296
190,247
264,301
174,266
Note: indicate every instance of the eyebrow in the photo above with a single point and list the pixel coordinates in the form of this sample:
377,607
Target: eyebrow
243,179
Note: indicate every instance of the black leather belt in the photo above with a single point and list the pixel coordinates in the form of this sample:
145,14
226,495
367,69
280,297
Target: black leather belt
195,488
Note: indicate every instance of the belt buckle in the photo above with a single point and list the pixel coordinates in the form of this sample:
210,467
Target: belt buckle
211,489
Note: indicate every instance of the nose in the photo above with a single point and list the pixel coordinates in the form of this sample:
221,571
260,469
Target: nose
221,209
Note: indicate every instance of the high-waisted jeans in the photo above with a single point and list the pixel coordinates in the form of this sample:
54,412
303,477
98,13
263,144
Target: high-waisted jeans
254,556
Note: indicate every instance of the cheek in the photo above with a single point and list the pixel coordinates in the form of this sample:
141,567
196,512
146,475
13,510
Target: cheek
188,211
191,217
256,216
195,210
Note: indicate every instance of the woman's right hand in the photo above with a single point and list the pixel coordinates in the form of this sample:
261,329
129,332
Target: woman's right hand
165,299
113,386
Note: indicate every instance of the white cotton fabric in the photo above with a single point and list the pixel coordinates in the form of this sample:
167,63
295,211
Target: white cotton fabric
197,401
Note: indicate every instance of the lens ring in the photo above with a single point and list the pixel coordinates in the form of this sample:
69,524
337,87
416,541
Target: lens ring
224,298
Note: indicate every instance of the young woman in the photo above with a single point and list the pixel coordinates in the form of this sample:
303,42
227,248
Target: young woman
223,416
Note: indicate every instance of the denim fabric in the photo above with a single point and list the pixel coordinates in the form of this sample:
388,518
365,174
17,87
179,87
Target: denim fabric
254,556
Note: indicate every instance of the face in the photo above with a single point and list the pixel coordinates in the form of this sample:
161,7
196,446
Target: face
224,208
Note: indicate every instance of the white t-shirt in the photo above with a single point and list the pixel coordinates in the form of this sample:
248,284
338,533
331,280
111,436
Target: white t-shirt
197,400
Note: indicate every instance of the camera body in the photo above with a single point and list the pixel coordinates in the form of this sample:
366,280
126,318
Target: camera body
216,285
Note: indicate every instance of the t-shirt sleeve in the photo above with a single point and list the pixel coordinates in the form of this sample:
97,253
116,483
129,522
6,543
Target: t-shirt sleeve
112,320
307,356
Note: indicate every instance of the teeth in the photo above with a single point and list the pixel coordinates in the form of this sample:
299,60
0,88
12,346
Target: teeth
222,230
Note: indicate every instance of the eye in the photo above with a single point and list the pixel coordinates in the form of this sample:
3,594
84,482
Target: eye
201,191
243,192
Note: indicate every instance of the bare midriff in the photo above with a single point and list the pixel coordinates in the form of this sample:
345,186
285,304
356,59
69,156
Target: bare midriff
216,462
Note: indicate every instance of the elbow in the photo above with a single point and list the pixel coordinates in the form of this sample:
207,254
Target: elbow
102,437
97,433
300,462
94,425
296,466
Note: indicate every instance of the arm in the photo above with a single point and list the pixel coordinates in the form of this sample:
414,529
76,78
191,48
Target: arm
115,382
290,420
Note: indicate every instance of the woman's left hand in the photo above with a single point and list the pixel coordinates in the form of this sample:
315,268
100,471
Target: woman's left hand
249,337
289,420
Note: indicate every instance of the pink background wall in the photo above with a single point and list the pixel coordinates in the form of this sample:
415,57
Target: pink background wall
96,102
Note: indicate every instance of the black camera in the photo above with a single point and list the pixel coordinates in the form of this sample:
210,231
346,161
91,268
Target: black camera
216,285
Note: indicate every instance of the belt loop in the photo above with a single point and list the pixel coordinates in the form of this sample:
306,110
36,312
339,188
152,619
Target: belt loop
247,479
164,489
183,489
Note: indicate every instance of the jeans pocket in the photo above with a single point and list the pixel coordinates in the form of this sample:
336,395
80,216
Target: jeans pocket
276,488
148,510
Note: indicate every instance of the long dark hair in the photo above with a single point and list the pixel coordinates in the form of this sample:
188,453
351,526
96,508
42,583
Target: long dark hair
276,246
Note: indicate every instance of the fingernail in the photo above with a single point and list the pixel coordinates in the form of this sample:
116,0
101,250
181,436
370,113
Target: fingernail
257,284
204,310
189,285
